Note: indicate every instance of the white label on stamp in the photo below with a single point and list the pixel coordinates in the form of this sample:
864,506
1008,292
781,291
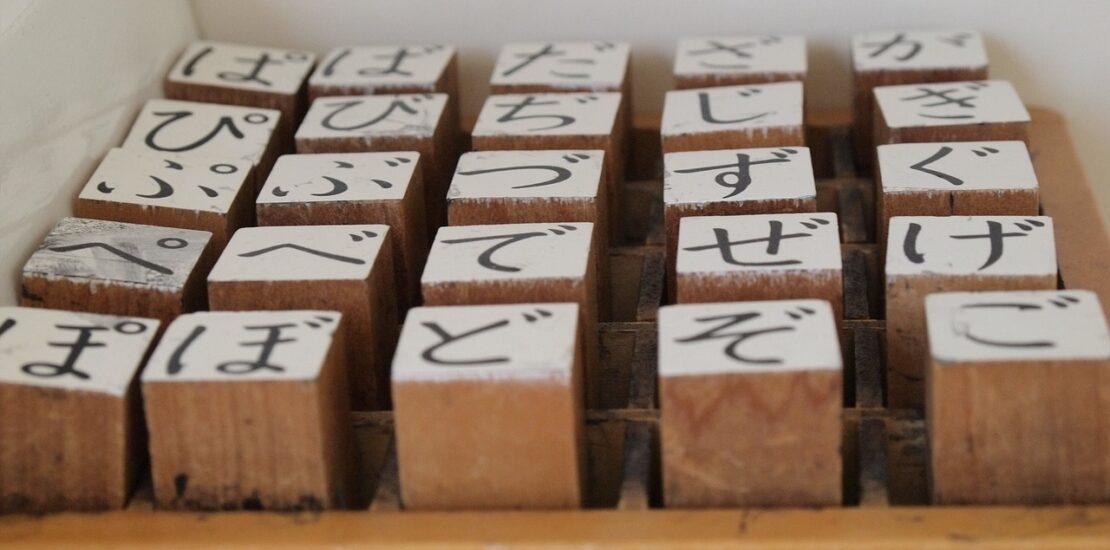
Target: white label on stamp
527,174
758,243
415,115
565,114
373,67
243,67
747,338
738,175
166,126
972,165
72,351
950,104
733,108
245,346
168,181
300,253
508,252
918,49
971,245
118,253
339,177
734,55
597,66
1017,326
526,342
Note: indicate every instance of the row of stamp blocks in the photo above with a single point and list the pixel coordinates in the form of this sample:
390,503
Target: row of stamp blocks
958,210
366,271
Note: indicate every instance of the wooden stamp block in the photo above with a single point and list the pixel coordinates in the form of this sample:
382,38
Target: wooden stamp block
704,62
888,58
117,268
70,433
408,69
988,110
346,268
472,388
733,117
355,188
504,187
167,126
388,123
760,257
519,264
557,121
734,182
1018,401
190,192
248,410
236,74
941,254
750,397
955,179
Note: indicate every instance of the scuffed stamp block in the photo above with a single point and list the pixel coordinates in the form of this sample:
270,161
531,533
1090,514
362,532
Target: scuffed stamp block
190,192
956,179
704,62
72,438
118,269
734,182
733,117
760,257
166,126
355,188
939,254
750,397
1016,398
347,268
248,410
888,58
472,385
983,110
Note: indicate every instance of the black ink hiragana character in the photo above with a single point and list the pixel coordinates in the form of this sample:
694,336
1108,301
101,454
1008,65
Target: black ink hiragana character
306,250
945,97
225,123
400,104
262,362
485,259
530,101
738,337
446,338
739,179
706,109
912,47
559,173
69,365
966,330
995,235
170,243
774,239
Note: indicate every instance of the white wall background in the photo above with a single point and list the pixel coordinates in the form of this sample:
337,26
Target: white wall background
83,65
72,74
